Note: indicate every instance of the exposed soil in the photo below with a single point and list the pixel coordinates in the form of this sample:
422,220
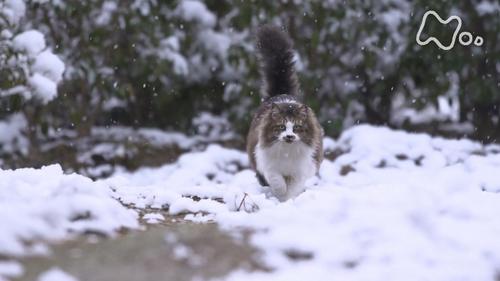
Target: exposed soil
173,250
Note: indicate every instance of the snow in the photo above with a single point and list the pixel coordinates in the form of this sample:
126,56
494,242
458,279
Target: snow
197,173
210,129
392,205
409,207
170,50
153,218
191,10
213,127
32,42
183,252
46,204
152,136
5,34
369,146
106,13
44,88
13,10
447,108
217,42
49,65
113,102
55,274
393,18
10,269
486,7
48,71
11,137
42,68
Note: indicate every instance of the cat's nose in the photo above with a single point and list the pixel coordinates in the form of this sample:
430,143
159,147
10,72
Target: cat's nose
289,138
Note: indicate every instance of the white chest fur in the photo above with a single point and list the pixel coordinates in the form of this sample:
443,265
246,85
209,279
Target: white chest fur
287,159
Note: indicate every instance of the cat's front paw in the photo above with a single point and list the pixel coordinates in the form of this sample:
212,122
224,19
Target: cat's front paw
278,186
278,190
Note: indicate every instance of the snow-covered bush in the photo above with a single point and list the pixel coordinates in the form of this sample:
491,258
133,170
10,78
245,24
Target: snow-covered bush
161,63
32,70
28,69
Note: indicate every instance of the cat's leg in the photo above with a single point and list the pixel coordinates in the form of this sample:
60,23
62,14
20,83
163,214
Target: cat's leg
262,180
297,182
277,184
296,186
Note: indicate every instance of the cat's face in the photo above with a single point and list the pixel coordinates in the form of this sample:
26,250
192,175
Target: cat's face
287,123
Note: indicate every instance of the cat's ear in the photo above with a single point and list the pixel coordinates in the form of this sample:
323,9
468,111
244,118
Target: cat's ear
303,110
275,111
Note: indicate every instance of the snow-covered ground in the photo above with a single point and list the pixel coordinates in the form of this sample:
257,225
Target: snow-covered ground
40,205
391,206
45,204
408,207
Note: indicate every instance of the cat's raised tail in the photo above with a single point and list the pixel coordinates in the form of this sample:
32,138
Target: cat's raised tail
275,50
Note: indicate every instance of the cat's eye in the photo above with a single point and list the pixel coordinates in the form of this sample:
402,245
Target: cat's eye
297,127
280,127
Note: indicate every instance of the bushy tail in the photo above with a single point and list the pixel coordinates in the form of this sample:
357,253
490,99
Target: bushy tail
277,65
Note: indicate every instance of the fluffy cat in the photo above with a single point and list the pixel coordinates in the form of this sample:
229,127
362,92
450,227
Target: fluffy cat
285,141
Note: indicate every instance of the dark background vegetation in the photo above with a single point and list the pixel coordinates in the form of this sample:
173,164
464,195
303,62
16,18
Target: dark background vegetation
151,64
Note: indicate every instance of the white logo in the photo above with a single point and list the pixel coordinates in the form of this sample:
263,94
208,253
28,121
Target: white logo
478,41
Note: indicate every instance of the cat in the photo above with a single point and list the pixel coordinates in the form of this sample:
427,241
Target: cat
285,140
